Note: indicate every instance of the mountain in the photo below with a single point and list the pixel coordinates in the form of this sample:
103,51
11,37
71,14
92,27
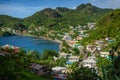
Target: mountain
107,26
7,21
92,10
60,17
42,18
62,9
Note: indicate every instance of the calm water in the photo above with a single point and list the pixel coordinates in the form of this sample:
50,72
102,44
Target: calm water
29,43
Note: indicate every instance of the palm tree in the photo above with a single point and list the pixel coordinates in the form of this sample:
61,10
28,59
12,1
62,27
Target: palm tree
81,73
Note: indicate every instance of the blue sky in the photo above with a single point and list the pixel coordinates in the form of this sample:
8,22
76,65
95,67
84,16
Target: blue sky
25,8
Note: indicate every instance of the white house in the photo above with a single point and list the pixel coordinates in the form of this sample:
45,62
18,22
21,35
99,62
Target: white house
67,38
80,47
72,43
58,69
89,62
99,47
74,59
104,54
91,25
64,55
90,48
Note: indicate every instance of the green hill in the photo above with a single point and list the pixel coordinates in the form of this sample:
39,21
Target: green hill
62,16
58,18
12,22
7,21
108,25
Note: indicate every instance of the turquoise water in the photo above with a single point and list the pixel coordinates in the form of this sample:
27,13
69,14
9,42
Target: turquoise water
29,43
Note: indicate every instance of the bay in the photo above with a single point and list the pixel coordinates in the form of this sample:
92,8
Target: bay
30,43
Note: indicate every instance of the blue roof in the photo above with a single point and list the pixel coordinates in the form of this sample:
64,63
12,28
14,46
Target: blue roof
69,62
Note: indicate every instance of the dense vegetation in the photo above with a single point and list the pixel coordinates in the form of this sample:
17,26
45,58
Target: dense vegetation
6,33
107,26
8,21
64,17
17,66
58,18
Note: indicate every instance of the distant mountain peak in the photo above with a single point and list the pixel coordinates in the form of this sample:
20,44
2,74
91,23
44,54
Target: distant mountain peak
50,13
61,9
82,6
89,4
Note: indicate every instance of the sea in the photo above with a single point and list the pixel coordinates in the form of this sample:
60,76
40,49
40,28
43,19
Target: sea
30,43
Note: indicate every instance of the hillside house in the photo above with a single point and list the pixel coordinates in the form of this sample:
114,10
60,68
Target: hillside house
90,48
64,55
39,69
74,59
91,25
67,38
104,54
95,51
72,43
14,48
89,62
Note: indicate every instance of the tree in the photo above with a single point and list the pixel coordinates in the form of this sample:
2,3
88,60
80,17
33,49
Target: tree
76,51
61,61
6,33
19,26
33,55
48,53
82,73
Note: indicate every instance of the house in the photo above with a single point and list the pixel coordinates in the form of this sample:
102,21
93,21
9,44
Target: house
72,43
89,62
104,54
4,50
60,77
80,47
91,25
110,41
107,38
58,73
101,43
14,48
58,69
90,48
73,59
39,69
64,55
95,51
80,37
81,32
76,45
67,38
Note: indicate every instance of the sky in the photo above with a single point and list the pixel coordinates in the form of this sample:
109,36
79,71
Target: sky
25,8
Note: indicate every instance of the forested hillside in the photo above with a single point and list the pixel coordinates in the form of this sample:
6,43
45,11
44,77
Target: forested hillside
108,25
60,17
8,21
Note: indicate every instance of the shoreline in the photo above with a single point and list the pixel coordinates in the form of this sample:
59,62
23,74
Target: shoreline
45,38
38,37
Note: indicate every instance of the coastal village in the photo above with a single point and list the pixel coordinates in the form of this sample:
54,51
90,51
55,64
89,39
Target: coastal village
70,49
59,40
